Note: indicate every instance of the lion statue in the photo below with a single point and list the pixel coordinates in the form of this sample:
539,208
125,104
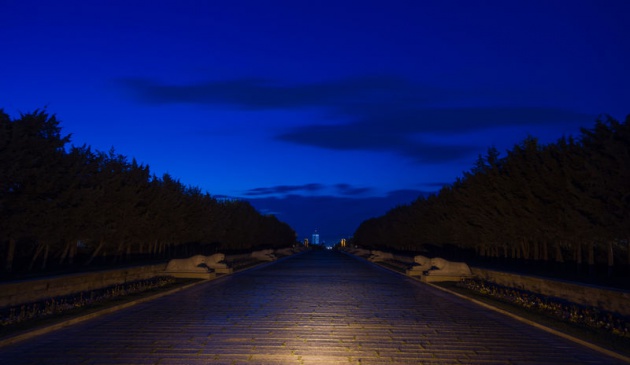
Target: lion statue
216,261
423,261
287,251
195,263
440,266
377,256
264,255
359,252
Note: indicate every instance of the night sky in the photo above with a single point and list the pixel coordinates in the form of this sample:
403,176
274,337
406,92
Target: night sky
324,113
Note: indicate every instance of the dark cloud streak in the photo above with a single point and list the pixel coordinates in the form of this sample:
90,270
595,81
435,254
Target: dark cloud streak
349,190
322,211
402,132
380,113
258,93
359,137
338,190
284,189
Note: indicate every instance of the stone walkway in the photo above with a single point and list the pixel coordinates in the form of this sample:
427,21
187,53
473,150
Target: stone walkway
321,307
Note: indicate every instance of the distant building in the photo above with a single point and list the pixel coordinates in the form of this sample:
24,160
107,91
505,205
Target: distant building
315,239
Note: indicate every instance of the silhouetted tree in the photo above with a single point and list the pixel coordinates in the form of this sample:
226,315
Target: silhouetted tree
538,203
61,203
31,148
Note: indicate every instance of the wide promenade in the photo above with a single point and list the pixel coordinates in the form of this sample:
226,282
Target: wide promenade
320,307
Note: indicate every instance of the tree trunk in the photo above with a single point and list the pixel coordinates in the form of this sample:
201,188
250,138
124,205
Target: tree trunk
119,252
64,254
72,253
45,258
154,249
578,257
8,263
38,251
559,258
525,249
97,250
611,258
591,258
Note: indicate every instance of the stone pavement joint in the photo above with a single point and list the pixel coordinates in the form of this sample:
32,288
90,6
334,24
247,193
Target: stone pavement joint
320,307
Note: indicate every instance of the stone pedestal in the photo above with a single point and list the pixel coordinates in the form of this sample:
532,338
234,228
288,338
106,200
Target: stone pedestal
438,278
193,275
414,272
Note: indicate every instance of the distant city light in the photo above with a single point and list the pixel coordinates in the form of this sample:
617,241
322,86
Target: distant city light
315,238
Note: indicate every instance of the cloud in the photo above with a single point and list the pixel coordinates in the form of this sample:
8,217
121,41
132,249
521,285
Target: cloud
377,113
349,190
284,189
334,217
259,93
463,119
369,101
408,133
359,137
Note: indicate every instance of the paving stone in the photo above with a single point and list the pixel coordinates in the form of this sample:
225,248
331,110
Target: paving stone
320,307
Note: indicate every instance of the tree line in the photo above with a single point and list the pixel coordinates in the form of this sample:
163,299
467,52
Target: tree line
60,204
567,201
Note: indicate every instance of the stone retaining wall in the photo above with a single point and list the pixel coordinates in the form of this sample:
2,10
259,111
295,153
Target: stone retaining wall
21,292
608,299
27,291
604,298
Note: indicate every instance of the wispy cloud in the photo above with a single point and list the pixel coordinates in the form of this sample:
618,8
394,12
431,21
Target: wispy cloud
349,190
259,93
284,189
376,113
320,213
405,132
357,137
308,189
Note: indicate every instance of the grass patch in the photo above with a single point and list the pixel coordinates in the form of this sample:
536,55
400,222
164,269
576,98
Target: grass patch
602,337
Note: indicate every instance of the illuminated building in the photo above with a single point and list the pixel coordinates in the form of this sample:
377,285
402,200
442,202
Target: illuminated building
315,239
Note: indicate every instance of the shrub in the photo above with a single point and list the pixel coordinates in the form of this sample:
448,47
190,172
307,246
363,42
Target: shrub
53,306
587,316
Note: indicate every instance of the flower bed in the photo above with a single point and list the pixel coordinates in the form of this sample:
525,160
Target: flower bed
60,305
589,317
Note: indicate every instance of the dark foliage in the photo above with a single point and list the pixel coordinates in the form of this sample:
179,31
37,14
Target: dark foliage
589,317
565,201
55,306
64,205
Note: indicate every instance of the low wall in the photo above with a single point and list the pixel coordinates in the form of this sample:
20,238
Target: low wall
21,292
604,298
27,291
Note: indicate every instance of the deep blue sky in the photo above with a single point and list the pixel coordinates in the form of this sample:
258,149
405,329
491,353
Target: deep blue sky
324,113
